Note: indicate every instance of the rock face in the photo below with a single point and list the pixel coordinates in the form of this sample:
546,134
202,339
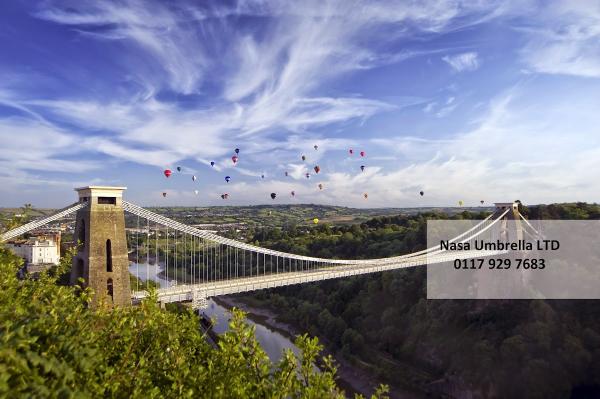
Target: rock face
101,260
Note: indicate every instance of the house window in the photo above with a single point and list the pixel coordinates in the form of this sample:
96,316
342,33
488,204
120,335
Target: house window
109,265
107,200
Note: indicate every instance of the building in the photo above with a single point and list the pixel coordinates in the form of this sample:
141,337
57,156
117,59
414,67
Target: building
38,250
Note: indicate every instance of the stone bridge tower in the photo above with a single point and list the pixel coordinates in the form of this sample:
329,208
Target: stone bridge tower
102,259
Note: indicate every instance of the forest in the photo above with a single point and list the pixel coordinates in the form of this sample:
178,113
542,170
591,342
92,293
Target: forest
384,323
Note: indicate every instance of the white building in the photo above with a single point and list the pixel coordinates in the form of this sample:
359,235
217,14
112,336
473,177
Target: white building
37,251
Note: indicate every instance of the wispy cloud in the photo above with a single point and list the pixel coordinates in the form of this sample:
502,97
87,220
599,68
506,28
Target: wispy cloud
162,33
564,39
463,62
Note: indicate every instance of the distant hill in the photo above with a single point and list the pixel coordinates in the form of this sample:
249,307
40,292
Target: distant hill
283,215
266,215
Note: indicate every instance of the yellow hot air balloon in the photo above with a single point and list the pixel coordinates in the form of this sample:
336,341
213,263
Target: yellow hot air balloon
460,203
315,220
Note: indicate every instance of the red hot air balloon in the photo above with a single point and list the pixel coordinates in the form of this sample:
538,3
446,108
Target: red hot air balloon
362,153
225,196
234,159
351,151
168,173
317,169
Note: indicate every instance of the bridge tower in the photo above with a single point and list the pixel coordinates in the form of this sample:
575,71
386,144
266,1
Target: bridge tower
511,228
102,259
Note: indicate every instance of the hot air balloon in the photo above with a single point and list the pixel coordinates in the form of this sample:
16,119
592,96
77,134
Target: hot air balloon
225,196
293,193
307,175
366,195
262,176
362,167
460,203
317,169
227,178
193,178
270,213
196,192
164,194
167,173
212,163
273,195
303,158
422,193
286,173
482,201
316,147
351,151
179,168
315,220
237,150
320,186
362,153
234,159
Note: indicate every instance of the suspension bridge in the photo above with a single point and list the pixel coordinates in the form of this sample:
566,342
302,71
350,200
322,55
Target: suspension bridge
197,264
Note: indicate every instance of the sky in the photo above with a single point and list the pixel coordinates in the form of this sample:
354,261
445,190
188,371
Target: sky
474,100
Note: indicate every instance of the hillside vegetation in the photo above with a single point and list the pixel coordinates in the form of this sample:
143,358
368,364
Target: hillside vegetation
494,348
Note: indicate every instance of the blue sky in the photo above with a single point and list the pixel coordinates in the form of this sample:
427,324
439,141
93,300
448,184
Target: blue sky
484,100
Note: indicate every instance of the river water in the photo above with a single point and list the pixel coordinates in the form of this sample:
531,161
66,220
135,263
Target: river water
271,341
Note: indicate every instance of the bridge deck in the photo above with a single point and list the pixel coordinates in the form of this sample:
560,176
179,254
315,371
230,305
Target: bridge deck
182,293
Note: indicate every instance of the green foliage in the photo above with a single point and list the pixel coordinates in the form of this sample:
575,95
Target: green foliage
52,344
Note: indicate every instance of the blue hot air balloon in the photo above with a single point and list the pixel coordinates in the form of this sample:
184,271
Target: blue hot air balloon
227,178
212,163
